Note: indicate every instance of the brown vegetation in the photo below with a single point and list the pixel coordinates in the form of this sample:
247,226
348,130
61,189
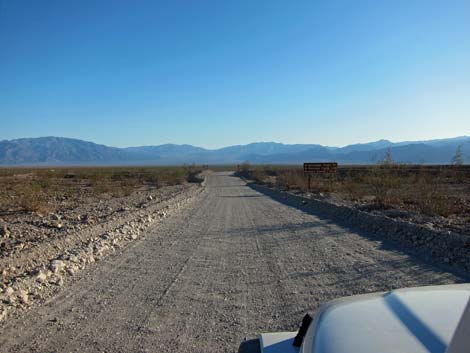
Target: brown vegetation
427,190
39,190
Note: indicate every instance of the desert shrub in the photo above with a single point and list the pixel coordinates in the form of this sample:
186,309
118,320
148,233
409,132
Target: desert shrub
244,167
4,200
125,187
259,175
430,191
457,159
40,190
350,187
151,179
383,183
101,187
292,179
431,197
30,197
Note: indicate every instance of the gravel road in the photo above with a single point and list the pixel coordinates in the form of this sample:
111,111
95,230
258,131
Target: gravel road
233,265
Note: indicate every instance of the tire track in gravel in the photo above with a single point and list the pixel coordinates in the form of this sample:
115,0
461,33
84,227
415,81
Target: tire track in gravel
144,292
235,264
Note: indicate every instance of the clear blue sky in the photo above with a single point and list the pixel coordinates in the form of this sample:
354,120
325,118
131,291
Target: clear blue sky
222,72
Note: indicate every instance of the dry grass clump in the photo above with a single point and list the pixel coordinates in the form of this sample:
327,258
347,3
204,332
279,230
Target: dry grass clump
31,197
292,179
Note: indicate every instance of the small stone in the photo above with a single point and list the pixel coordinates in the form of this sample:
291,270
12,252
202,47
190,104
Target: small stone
74,258
55,217
10,295
57,266
57,280
23,296
4,232
53,224
41,277
150,198
72,269
9,291
3,313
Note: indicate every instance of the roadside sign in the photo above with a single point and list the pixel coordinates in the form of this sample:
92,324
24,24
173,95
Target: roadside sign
320,168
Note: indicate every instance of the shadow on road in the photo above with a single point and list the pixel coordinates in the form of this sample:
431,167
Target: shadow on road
250,346
328,215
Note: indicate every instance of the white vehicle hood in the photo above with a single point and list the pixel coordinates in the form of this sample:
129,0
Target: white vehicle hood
415,320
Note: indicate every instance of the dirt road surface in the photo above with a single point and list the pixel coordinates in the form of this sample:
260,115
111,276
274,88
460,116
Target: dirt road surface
233,265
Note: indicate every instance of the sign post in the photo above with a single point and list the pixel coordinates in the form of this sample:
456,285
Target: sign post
319,168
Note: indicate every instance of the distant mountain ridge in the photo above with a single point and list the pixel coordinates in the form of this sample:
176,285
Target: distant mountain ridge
68,151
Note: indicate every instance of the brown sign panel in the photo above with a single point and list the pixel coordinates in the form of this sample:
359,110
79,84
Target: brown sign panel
317,168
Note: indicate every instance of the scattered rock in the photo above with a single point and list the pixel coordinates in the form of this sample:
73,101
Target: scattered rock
57,266
57,280
10,297
74,258
150,198
55,217
4,232
23,296
41,277
3,313
87,219
72,269
9,291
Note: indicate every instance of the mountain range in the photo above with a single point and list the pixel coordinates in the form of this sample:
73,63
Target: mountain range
67,151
